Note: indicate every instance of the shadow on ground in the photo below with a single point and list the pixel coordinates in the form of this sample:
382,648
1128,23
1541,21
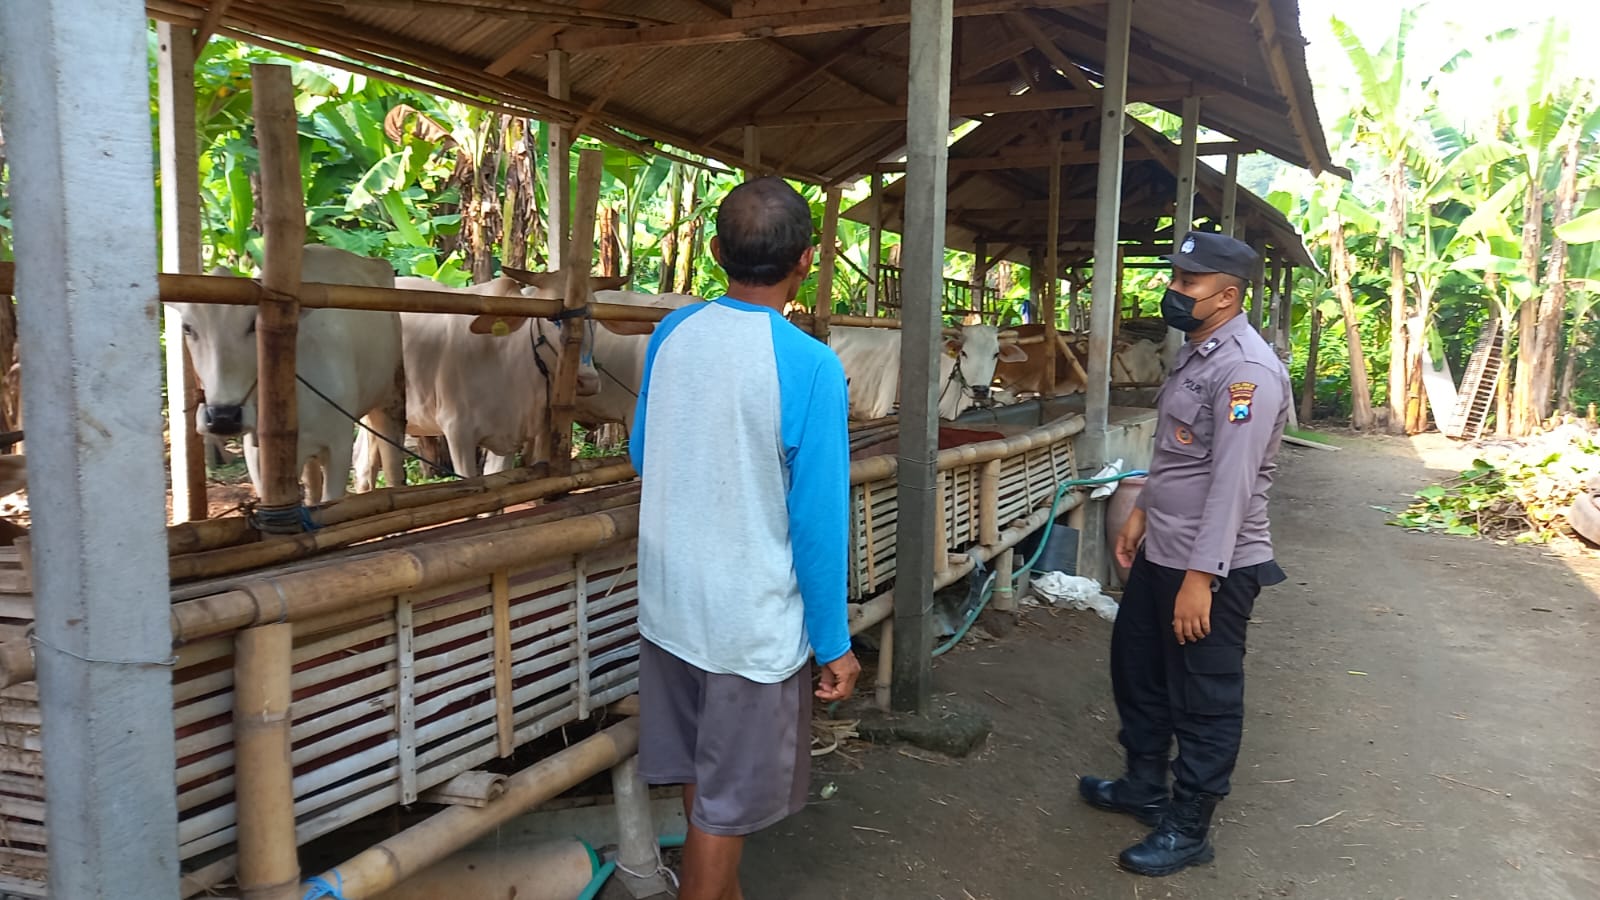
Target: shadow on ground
1422,725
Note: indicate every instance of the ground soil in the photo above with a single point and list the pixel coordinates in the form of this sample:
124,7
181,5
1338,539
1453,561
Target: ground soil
1422,725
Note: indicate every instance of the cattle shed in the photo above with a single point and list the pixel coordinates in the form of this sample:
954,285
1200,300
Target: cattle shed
289,685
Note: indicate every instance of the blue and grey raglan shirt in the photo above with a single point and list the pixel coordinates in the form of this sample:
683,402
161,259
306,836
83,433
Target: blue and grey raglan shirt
744,518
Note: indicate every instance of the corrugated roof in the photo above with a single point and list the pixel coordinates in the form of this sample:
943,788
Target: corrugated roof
645,67
1008,209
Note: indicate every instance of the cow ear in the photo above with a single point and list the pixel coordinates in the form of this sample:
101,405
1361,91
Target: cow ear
1011,353
607,282
627,328
499,326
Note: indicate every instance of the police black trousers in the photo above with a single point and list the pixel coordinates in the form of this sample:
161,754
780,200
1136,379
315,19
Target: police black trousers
1193,692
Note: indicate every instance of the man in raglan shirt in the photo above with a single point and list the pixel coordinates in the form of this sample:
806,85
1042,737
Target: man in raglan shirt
743,448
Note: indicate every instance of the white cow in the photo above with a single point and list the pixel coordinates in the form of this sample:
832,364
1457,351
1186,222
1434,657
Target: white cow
871,358
619,358
351,356
479,386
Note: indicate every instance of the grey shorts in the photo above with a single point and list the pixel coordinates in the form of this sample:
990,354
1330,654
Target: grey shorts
745,746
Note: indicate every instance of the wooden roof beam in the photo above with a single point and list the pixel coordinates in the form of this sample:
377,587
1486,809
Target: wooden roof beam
805,71
753,28
974,105
1278,64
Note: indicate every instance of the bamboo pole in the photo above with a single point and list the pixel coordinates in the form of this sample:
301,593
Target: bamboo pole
227,290
230,531
1005,598
269,868
577,263
876,468
989,501
823,310
278,320
298,595
885,680
227,560
874,242
391,861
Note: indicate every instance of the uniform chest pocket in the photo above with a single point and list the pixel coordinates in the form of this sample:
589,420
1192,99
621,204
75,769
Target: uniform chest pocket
1186,425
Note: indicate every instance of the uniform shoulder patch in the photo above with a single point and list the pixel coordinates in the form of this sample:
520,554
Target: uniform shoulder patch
1240,394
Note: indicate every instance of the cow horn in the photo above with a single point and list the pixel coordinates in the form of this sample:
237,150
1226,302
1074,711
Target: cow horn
1009,336
953,334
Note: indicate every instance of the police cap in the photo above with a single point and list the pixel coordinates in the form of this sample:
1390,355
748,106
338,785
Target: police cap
1203,251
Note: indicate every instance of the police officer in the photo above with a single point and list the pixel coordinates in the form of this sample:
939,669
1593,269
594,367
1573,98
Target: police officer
1199,552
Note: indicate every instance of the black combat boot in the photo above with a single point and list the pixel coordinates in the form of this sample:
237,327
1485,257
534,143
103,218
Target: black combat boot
1180,840
1141,793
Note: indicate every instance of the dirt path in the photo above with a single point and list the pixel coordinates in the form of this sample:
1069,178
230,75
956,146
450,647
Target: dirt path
1422,725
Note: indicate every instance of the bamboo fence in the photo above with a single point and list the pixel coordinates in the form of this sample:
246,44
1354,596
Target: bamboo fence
419,658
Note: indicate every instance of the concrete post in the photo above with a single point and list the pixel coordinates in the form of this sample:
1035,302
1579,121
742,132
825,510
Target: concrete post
922,256
1092,557
874,242
88,318
638,861
752,152
558,150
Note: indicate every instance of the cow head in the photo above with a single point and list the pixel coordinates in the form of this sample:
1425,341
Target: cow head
977,349
552,286
222,344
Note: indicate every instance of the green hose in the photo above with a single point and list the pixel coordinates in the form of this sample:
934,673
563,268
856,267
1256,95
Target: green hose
1049,525
603,874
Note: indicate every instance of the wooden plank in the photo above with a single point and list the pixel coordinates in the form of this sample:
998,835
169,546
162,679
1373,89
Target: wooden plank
581,611
405,710
502,663
751,28
972,106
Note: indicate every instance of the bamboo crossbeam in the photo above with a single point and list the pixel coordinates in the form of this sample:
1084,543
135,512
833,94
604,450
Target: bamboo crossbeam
298,595
230,531
226,560
880,467
231,291
378,868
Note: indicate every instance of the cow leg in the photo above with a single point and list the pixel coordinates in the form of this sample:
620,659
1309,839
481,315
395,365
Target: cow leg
311,475
252,461
433,447
364,460
383,421
463,449
337,458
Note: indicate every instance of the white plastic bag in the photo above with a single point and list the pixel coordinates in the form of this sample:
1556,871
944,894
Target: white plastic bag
1074,592
1105,490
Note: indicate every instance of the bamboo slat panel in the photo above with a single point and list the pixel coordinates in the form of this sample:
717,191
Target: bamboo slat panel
388,700
1028,479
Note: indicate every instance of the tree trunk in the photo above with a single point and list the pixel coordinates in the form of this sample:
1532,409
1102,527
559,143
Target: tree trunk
1576,346
690,250
1398,358
610,244
477,178
523,230
1523,415
1553,311
666,283
1361,417
1308,384
1502,391
1417,352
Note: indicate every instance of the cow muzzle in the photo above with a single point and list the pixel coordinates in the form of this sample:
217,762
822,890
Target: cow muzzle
224,421
982,395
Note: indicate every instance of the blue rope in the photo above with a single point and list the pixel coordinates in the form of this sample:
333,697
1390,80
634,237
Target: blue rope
319,887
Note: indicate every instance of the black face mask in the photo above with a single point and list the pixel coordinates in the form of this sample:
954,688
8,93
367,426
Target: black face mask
1177,310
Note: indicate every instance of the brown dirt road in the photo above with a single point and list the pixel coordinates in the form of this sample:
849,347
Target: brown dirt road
1422,725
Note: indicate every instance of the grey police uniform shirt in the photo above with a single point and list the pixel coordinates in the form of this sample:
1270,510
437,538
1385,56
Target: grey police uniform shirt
1221,415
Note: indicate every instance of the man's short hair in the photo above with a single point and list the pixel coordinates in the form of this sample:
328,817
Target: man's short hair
763,227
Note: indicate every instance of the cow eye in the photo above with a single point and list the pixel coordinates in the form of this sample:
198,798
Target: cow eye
188,330
252,328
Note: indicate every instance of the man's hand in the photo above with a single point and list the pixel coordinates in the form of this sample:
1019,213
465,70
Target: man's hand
1129,539
839,678
1191,615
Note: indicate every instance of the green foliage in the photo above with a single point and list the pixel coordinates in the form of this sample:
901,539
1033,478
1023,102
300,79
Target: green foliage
1524,496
